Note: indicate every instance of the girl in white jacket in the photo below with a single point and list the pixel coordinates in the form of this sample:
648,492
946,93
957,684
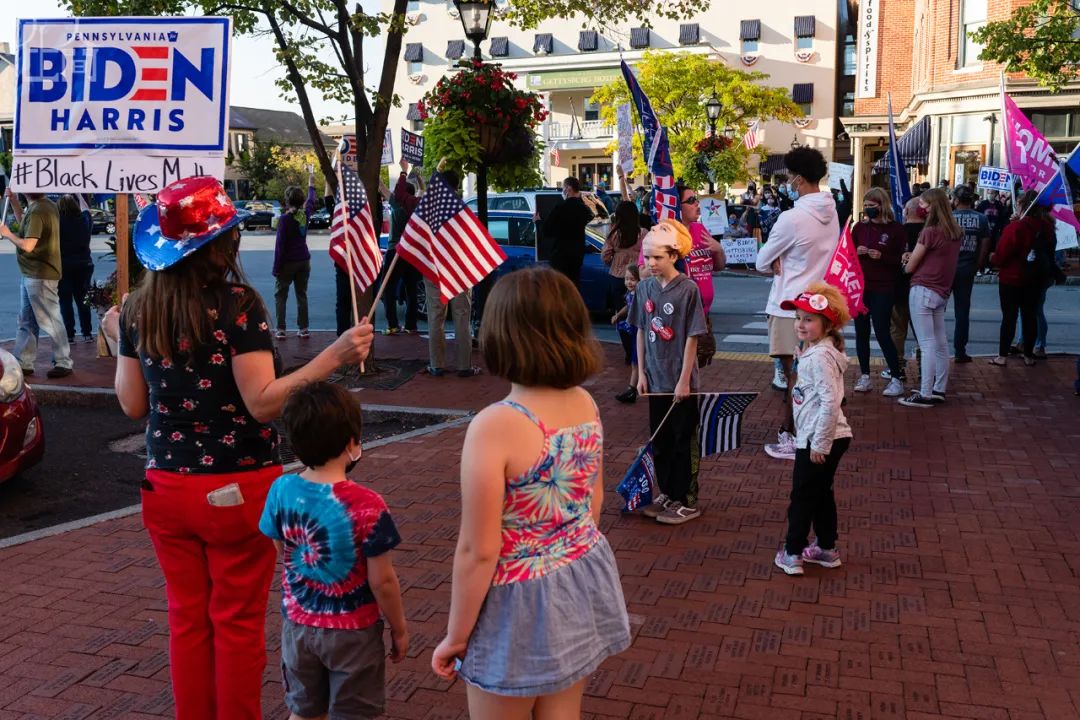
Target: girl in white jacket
822,434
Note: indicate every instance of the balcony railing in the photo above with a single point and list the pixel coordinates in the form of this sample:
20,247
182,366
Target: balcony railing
588,130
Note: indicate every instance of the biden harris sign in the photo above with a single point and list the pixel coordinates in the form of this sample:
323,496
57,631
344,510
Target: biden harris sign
120,104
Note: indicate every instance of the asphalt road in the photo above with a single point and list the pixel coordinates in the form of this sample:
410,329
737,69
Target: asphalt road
738,311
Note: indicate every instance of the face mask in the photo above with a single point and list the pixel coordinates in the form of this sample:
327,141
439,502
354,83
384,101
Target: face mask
922,212
352,462
771,203
791,191
871,212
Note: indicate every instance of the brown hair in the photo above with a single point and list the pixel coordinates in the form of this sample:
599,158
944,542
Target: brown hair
171,305
68,206
536,331
634,270
294,197
321,419
878,195
838,304
941,212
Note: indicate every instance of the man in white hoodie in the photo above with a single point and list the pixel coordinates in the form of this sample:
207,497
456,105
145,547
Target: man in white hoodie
798,252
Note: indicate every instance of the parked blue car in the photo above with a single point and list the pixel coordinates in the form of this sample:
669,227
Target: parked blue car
515,231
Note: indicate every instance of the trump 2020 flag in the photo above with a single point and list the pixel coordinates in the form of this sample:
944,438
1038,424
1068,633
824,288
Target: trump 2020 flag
654,144
720,421
636,486
1063,190
898,179
845,273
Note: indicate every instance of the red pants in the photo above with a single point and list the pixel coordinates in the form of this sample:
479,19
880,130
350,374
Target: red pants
218,568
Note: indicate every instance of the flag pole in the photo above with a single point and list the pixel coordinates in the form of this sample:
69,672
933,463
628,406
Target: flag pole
657,432
1005,139
348,244
384,283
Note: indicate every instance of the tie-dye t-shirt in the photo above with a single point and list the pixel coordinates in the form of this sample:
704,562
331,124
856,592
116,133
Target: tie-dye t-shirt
328,532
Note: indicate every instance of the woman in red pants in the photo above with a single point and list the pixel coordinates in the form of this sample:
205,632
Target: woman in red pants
197,356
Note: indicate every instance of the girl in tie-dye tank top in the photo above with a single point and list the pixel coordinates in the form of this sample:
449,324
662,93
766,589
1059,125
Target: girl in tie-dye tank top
532,485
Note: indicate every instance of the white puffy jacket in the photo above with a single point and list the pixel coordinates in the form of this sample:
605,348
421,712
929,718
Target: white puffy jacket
817,396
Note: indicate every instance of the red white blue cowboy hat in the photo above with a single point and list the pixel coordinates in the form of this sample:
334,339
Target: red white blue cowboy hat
188,214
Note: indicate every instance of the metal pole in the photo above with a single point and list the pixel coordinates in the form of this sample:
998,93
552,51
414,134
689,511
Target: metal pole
481,193
712,134
993,132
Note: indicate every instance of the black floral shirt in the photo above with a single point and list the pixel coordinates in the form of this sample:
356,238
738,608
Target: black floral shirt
198,421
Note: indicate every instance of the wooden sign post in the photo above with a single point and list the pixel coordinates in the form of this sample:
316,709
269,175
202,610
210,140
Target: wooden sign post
123,245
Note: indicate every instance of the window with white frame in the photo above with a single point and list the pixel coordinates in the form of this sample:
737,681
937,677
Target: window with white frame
804,43
749,46
416,67
592,110
972,17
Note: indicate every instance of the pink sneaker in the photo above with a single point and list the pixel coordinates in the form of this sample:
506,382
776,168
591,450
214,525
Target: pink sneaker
818,556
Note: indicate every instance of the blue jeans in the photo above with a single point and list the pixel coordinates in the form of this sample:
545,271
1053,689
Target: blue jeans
879,314
39,311
928,319
1040,325
963,284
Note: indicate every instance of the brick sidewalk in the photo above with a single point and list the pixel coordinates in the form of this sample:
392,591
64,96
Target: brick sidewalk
958,597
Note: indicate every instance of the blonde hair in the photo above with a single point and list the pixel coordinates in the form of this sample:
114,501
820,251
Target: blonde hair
878,195
838,304
941,213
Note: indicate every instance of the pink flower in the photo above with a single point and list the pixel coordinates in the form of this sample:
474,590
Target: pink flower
219,335
239,420
162,409
176,436
206,460
241,320
201,428
166,364
184,344
205,384
229,440
188,405
217,359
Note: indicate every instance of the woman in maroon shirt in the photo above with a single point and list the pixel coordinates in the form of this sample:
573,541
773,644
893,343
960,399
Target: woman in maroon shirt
1018,288
880,242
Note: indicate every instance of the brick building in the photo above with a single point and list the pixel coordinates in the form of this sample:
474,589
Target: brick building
946,102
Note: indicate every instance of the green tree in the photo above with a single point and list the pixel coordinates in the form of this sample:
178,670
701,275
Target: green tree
1041,40
261,166
678,85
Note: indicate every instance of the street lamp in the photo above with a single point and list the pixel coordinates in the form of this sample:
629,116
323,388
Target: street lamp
476,22
713,109
992,119
795,142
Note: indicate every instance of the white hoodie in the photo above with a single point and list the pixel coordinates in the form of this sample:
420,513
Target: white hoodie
817,395
804,239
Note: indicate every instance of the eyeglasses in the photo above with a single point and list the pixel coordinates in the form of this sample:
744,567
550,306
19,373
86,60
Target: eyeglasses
690,201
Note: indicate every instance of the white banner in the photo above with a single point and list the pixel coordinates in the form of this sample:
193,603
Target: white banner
867,60
100,174
626,138
123,86
838,172
740,251
388,148
713,214
1066,235
994,178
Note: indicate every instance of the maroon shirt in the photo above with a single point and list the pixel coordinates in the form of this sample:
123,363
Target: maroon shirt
890,239
1010,255
937,269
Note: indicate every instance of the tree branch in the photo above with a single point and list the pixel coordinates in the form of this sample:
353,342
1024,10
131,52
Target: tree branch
305,20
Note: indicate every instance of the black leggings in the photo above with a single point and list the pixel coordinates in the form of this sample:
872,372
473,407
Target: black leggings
812,501
1022,299
879,307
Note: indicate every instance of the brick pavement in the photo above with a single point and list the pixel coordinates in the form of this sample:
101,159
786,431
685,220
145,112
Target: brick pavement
959,596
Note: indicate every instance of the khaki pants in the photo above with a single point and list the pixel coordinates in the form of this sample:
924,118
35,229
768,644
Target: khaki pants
461,311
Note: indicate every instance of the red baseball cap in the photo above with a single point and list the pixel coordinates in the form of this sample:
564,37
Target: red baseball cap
812,303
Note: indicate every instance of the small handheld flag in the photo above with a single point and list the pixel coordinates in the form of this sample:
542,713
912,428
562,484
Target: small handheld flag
354,246
636,486
720,421
845,273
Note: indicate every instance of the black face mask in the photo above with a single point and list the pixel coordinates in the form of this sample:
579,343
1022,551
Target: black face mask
871,212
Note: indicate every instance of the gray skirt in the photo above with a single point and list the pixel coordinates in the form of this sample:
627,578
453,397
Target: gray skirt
538,637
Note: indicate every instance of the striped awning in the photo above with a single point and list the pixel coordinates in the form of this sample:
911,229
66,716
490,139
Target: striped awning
413,113
750,30
805,25
689,34
588,40
639,37
802,93
455,49
500,46
773,165
414,52
913,146
542,42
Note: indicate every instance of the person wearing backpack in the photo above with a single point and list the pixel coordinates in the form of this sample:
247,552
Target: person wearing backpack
1025,260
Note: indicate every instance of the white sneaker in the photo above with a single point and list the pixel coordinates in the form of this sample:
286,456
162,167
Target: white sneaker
864,384
779,380
894,389
784,449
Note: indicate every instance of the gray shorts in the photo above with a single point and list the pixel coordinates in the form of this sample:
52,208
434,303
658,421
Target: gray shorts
340,672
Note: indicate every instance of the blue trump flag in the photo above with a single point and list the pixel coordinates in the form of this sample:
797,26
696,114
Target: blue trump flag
1063,190
636,487
654,143
900,190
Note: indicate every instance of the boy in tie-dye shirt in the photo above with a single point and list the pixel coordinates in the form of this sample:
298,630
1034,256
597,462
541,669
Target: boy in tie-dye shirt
335,537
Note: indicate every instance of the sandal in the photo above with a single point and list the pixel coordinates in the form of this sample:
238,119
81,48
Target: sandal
469,372
998,361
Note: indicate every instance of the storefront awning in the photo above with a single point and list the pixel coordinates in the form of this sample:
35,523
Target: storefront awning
913,146
773,165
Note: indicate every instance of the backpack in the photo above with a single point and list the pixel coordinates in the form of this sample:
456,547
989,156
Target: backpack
1040,269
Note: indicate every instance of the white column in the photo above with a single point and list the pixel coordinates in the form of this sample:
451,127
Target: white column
858,184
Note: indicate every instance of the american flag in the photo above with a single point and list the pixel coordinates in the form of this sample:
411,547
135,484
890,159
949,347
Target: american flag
445,241
355,233
720,421
751,140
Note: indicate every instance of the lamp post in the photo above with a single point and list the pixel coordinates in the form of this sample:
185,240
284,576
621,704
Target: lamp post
992,119
795,142
476,22
713,109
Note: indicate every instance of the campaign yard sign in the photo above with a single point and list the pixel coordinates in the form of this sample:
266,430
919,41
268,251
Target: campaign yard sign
107,105
412,147
994,178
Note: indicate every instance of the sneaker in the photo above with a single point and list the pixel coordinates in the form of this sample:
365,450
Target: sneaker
886,374
659,505
303,334
895,388
88,339
784,449
280,334
779,380
469,372
962,358
864,384
56,372
820,556
391,331
628,396
677,514
27,372
916,400
937,398
791,564
1039,353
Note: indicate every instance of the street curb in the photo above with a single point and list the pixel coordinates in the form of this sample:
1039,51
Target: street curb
979,279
